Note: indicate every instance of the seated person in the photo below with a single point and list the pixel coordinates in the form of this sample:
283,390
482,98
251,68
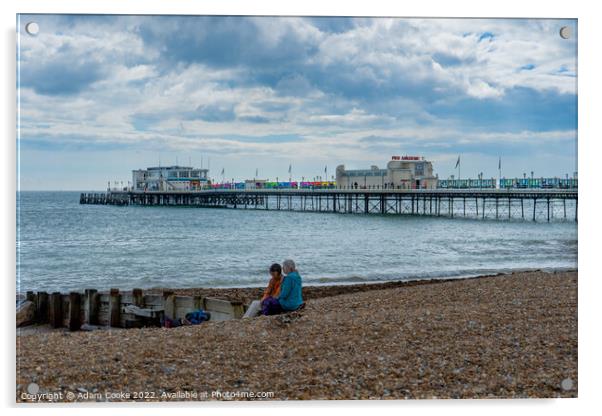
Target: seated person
290,297
273,290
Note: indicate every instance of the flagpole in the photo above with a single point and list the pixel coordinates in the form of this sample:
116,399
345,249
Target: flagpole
499,166
458,166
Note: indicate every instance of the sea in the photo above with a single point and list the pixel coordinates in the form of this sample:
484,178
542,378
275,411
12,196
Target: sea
62,246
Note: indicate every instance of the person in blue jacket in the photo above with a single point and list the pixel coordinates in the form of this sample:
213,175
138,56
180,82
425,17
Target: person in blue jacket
290,297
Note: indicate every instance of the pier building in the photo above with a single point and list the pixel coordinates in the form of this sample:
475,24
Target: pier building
402,172
169,178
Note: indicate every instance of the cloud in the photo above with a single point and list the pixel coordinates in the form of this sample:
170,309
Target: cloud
216,112
316,89
54,78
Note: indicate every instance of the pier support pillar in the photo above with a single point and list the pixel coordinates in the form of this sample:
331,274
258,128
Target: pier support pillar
483,207
522,208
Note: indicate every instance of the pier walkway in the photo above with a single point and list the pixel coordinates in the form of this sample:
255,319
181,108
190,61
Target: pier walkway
523,204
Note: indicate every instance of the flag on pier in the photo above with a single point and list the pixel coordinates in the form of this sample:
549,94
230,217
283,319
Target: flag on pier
290,167
499,165
256,172
325,169
223,171
458,162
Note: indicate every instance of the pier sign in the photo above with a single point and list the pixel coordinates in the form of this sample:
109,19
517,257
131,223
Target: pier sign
406,158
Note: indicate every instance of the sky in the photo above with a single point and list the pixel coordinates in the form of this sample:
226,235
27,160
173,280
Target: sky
99,96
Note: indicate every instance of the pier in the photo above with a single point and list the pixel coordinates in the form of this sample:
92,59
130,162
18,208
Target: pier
522,204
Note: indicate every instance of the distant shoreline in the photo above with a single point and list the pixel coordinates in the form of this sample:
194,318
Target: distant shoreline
326,284
311,291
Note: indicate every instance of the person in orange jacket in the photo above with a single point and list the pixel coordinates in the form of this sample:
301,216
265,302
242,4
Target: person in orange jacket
271,291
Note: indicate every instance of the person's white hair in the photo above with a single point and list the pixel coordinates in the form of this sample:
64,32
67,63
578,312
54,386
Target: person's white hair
288,266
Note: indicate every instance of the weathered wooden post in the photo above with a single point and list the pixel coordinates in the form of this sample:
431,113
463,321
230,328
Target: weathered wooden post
137,297
31,297
169,304
238,309
198,302
42,308
55,311
75,299
114,308
91,306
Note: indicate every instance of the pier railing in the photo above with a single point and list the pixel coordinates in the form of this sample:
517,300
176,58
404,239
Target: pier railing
523,204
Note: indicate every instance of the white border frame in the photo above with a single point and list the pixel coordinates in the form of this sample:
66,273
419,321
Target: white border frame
589,132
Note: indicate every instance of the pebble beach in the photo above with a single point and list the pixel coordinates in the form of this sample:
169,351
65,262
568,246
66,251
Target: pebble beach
502,336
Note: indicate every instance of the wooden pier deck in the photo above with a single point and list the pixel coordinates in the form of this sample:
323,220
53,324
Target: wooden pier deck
523,204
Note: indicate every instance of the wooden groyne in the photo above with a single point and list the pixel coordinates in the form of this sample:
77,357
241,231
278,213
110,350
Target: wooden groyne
499,204
130,309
